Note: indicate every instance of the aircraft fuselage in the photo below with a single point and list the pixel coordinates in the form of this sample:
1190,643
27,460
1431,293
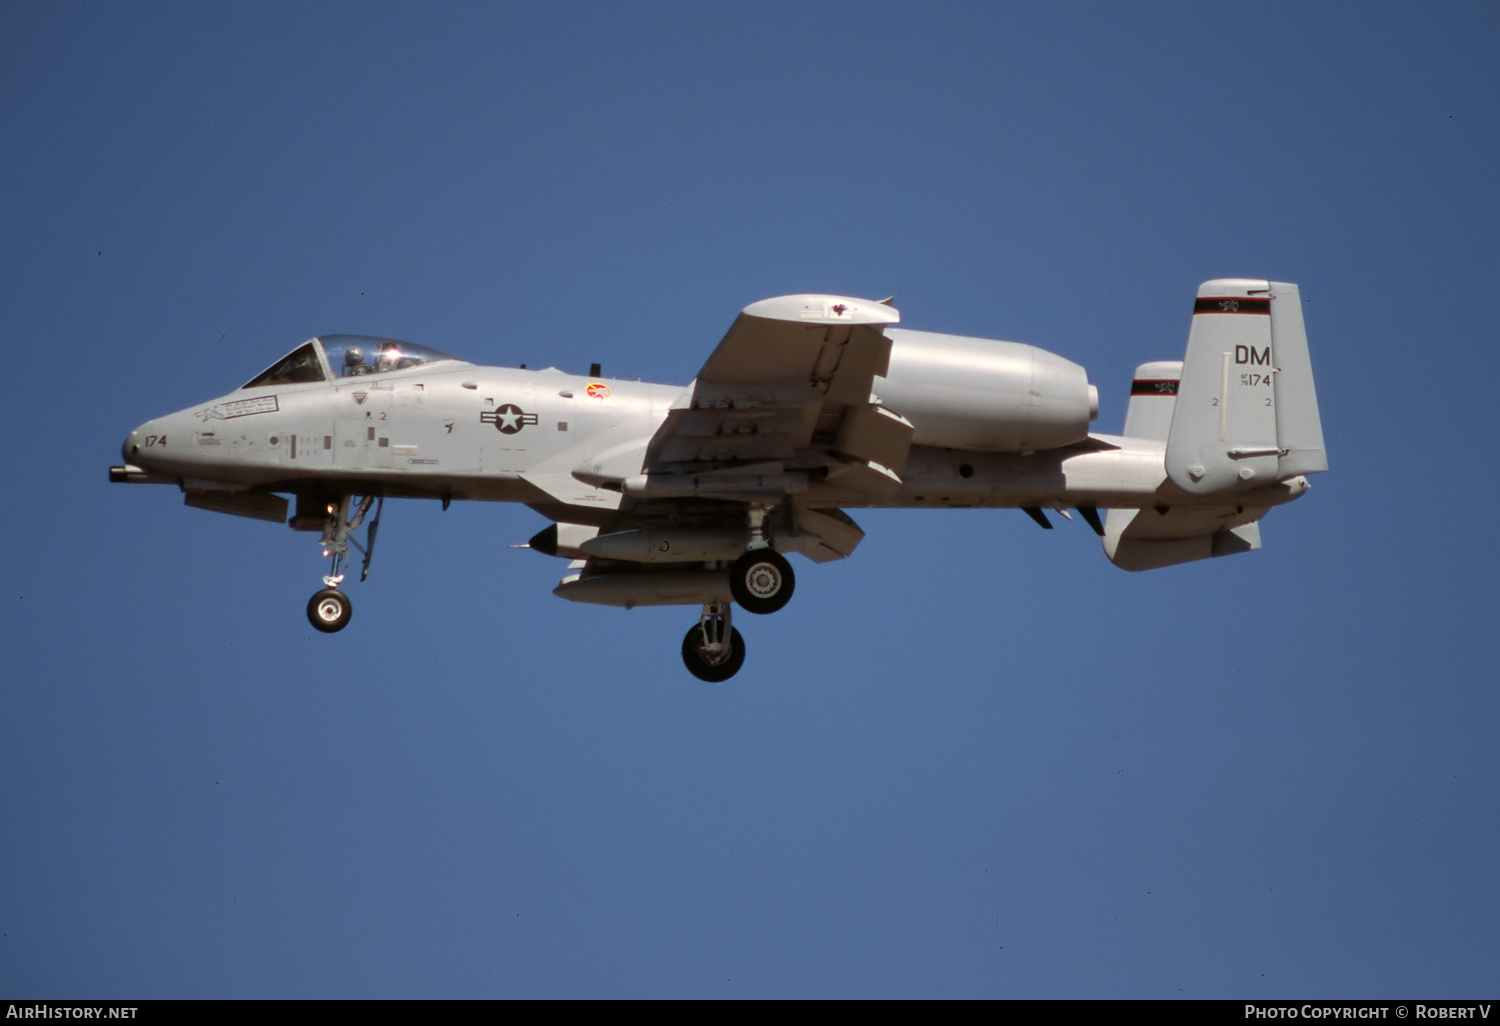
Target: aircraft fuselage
461,431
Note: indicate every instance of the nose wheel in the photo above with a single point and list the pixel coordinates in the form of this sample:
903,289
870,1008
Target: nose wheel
329,610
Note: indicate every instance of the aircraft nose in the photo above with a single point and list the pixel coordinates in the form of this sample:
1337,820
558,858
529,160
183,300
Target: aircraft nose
145,441
145,455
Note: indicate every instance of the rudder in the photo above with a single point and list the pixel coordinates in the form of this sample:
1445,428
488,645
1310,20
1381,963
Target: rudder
1299,428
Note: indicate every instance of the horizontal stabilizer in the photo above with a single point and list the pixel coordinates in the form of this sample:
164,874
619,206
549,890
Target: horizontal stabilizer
1146,539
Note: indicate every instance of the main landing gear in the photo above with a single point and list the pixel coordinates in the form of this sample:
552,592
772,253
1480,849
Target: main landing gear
329,610
713,650
761,581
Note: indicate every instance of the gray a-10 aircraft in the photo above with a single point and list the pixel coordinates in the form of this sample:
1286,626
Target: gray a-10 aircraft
810,405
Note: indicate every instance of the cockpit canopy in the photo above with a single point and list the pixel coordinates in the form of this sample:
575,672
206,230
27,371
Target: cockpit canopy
345,356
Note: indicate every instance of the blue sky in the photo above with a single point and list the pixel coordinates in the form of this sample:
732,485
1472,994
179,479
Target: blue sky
975,760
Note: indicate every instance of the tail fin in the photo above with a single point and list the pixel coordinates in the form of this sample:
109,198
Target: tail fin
1238,413
1153,397
1246,412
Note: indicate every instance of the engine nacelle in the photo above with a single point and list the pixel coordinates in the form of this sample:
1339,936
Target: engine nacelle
985,395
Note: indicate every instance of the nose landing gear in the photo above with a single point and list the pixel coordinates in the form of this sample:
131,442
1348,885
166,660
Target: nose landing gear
329,610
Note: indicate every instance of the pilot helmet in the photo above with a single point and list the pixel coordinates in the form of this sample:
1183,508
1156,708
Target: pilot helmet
353,356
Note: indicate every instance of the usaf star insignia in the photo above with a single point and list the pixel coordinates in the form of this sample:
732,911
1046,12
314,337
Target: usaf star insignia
508,419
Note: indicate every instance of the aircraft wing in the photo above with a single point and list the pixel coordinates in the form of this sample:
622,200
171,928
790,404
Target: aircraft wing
784,405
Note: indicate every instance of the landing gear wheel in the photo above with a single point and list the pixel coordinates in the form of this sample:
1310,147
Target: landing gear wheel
761,581
710,667
329,610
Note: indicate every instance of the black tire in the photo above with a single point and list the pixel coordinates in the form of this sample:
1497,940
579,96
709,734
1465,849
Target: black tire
700,667
329,610
762,581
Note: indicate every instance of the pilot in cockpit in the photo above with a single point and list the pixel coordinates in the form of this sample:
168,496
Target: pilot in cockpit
390,357
354,362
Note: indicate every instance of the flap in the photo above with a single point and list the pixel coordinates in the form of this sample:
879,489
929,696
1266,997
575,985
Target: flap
790,383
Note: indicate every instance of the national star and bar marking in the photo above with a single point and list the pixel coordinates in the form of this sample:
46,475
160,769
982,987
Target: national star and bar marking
508,419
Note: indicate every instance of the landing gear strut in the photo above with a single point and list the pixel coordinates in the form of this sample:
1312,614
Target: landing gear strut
329,610
713,650
761,580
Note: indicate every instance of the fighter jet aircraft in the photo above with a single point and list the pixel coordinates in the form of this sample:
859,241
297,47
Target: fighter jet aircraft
810,405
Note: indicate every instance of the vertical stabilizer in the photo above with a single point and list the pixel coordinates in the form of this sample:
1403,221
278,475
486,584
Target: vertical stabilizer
1246,412
1153,397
